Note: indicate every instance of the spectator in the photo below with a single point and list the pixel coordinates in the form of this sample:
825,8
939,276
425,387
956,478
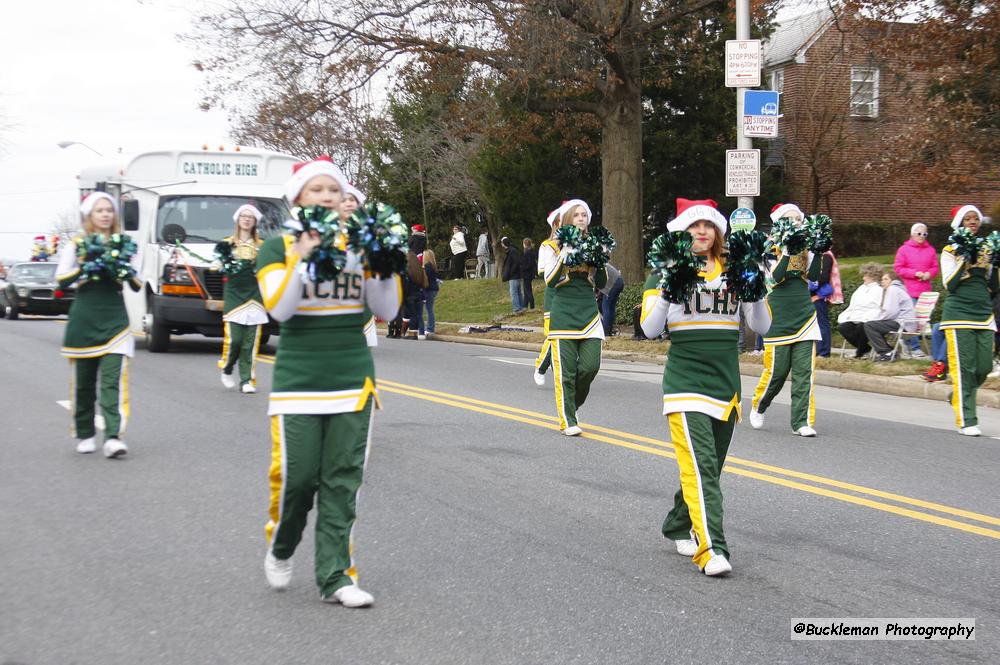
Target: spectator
529,270
609,304
896,306
418,239
865,305
430,293
483,255
459,251
414,282
511,272
826,290
917,264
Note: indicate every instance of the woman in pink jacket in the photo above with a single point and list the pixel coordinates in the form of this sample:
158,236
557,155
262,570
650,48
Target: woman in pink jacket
916,264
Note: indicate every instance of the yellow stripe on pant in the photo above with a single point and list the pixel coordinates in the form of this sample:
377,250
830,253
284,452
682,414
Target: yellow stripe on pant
955,369
276,477
691,486
557,380
227,341
253,358
765,376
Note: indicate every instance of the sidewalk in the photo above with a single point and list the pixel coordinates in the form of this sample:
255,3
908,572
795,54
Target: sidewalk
900,386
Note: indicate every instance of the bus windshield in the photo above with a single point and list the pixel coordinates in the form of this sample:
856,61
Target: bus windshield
201,218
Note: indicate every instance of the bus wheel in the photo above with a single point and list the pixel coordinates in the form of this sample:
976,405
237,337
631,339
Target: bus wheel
157,335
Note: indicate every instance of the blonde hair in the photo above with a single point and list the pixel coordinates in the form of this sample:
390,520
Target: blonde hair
430,259
253,231
556,223
88,225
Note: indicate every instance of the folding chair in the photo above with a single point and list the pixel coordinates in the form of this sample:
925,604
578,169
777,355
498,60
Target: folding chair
923,309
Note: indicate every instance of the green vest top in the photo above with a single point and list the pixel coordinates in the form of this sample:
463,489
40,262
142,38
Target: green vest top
793,315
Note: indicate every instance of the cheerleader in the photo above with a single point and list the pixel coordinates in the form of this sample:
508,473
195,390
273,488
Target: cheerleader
575,328
967,320
97,340
323,393
548,254
790,344
243,311
353,199
701,385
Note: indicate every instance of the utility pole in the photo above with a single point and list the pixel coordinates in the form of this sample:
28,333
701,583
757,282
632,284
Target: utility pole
742,142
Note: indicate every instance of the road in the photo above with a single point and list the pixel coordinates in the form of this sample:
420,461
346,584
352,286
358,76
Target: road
484,534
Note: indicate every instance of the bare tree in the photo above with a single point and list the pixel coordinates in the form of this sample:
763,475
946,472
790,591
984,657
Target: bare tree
564,56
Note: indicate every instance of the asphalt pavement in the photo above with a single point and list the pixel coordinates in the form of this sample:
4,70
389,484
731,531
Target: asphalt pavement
485,535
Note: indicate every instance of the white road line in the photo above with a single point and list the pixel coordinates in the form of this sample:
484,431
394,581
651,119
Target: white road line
64,403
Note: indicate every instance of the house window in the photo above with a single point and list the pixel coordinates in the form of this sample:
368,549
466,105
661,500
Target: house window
778,80
864,92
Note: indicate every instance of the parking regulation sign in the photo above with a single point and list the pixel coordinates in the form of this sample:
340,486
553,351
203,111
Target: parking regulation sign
742,219
760,113
742,63
743,172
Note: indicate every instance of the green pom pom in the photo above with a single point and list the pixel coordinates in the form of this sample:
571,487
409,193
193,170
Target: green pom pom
103,258
377,232
676,266
597,247
571,239
791,238
820,231
992,245
745,277
231,265
966,244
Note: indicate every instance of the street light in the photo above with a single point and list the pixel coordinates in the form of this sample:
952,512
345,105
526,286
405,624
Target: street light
66,144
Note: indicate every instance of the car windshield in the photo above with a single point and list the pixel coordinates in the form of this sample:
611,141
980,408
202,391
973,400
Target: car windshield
33,272
210,218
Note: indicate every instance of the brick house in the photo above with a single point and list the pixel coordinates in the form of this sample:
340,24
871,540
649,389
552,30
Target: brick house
840,113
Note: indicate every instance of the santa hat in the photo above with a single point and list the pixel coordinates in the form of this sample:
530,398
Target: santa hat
418,228
784,210
87,205
246,207
689,212
572,203
355,192
303,172
958,212
553,216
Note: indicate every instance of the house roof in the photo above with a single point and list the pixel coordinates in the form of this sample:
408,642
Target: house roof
793,36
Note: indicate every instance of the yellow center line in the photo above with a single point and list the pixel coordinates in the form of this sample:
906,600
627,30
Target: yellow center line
619,438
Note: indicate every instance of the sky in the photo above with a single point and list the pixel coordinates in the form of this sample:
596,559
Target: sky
108,73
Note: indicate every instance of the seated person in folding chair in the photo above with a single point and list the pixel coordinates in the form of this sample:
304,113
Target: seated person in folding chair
896,314
865,305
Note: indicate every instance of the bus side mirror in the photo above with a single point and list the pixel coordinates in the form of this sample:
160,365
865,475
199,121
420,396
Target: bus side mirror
130,215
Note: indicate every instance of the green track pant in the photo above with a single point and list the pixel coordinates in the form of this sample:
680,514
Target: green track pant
103,379
321,457
798,358
241,343
701,443
575,363
970,359
544,359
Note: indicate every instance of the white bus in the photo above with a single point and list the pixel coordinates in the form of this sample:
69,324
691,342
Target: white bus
187,197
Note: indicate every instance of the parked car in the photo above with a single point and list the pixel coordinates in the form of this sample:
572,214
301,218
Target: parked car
31,288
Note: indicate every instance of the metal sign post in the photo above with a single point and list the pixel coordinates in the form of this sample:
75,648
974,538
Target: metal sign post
742,71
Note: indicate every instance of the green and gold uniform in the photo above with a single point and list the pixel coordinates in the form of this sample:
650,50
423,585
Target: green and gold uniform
701,399
548,253
575,334
790,343
243,314
98,343
321,402
968,325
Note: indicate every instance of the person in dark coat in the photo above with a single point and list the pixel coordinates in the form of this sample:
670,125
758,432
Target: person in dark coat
511,272
529,270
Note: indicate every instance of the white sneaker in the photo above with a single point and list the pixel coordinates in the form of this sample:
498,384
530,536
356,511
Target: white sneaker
539,378
996,370
229,381
686,547
350,596
278,571
86,446
114,448
248,388
756,419
970,431
718,566
805,430
421,337
918,354
573,431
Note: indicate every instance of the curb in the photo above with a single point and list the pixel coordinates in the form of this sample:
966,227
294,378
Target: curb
869,383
